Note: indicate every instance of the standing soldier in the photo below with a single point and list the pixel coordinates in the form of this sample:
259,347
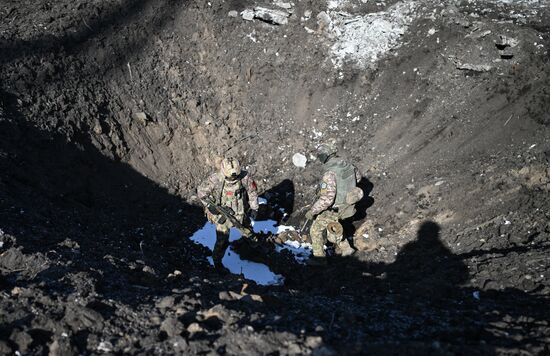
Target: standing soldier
232,188
337,198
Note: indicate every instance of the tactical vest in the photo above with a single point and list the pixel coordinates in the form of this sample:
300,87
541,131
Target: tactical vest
345,178
233,196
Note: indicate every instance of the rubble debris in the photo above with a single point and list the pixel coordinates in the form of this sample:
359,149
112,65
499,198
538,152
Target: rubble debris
276,17
504,44
271,16
248,14
299,160
474,67
140,117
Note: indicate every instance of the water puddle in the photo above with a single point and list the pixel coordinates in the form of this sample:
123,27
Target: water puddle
257,272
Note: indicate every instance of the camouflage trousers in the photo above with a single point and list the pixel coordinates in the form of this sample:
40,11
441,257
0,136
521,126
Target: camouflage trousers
222,238
319,236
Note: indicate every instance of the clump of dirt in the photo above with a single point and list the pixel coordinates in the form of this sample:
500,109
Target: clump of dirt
112,113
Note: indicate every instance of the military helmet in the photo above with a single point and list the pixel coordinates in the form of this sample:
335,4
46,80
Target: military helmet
231,169
326,150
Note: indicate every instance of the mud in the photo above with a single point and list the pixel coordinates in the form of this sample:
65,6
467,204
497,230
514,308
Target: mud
112,112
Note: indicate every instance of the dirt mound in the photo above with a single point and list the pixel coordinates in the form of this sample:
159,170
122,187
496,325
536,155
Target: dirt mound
111,113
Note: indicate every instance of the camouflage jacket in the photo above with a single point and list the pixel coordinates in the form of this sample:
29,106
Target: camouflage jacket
327,191
237,196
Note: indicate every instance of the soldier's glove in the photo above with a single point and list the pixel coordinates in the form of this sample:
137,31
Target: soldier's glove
309,215
253,214
212,209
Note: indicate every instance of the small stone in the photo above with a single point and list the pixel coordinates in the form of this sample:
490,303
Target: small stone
224,296
172,327
252,298
105,346
194,328
299,160
166,302
247,14
141,117
314,342
233,13
277,17
22,339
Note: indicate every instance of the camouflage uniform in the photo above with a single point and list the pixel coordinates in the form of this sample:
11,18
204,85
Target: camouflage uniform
238,195
331,207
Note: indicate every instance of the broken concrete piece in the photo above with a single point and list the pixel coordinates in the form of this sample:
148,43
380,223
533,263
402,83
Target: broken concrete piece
299,160
277,17
503,42
474,67
283,4
248,14
324,20
233,13
141,117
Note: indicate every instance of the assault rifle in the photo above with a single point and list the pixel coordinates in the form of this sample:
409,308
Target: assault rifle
227,213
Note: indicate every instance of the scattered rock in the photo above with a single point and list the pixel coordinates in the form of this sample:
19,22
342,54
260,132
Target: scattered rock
233,13
172,327
276,17
299,160
252,298
194,328
474,67
105,347
314,341
22,339
248,15
140,117
166,302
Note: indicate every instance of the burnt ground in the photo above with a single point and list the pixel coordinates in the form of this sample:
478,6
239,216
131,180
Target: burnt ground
112,112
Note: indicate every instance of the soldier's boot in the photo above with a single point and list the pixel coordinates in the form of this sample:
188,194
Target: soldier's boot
343,248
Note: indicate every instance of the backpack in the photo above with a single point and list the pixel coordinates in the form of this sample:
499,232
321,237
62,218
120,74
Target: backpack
347,191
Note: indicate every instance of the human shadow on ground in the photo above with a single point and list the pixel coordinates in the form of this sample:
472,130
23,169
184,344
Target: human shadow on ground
420,303
280,201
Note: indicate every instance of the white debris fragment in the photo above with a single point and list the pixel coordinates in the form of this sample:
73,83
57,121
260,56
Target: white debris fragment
247,14
262,201
233,13
364,40
476,295
277,17
324,20
474,67
299,160
105,346
284,5
301,251
437,184
507,222
431,31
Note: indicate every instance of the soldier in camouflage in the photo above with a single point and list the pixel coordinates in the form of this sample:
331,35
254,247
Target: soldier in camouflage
338,194
233,188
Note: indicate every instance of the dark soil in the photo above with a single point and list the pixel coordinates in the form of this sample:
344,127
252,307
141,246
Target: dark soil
113,111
